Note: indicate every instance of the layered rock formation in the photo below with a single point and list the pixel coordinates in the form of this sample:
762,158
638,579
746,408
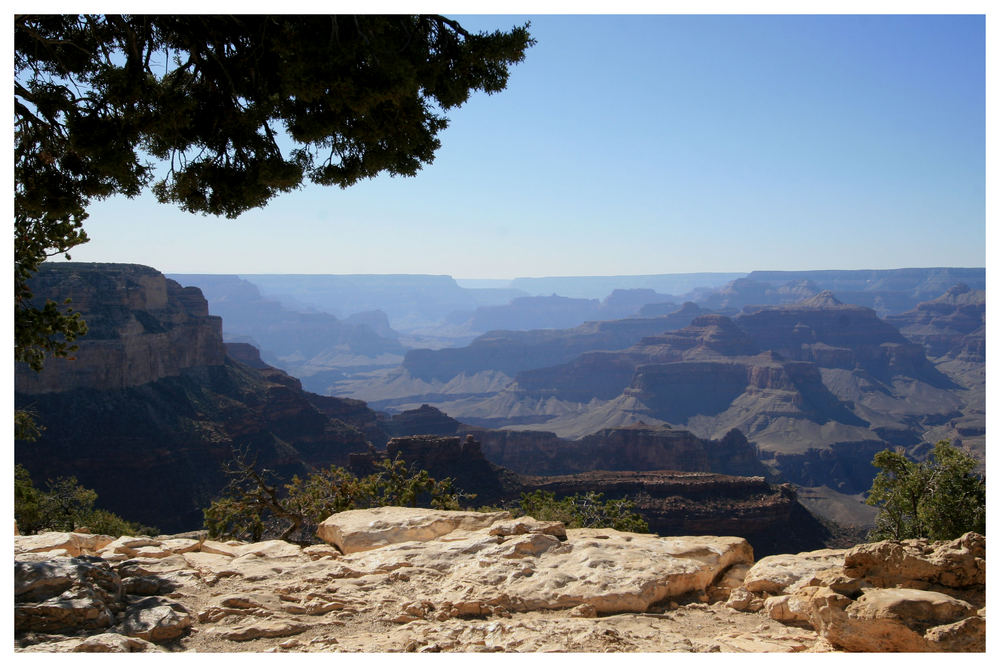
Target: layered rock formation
398,579
152,408
511,352
952,325
635,447
313,346
141,327
811,376
769,517
672,502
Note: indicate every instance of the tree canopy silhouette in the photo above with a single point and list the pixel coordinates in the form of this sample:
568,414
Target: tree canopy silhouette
219,114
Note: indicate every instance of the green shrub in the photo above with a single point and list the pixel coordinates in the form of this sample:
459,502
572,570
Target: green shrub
65,506
253,506
940,498
586,510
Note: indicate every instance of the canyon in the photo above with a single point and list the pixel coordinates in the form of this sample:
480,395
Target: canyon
805,391
153,443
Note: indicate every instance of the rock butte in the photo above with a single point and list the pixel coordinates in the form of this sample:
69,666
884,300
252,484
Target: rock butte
404,579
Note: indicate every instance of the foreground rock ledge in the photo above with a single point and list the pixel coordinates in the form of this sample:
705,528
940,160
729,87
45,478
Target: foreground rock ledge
428,580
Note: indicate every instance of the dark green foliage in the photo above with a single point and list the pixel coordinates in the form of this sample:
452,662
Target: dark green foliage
587,510
253,506
65,506
234,109
941,498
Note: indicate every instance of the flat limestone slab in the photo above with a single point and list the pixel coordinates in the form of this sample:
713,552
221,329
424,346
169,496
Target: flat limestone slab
363,530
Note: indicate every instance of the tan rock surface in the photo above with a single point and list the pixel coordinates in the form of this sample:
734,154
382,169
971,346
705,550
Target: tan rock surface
958,563
362,530
911,595
74,544
775,574
470,590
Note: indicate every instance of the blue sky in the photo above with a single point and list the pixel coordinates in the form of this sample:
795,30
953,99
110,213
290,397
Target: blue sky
648,144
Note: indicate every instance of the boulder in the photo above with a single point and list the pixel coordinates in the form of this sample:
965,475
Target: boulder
895,619
65,594
106,642
526,524
776,574
269,549
261,628
361,530
958,563
911,595
74,544
109,642
156,619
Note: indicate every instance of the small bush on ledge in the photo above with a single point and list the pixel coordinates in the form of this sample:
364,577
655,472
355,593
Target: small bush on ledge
254,506
581,510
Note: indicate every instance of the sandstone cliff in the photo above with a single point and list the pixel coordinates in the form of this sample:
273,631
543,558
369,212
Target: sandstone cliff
313,346
141,327
153,407
634,447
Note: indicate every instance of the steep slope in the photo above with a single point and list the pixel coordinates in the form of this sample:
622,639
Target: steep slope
952,329
313,346
152,406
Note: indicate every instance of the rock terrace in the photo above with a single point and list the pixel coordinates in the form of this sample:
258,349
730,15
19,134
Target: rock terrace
401,579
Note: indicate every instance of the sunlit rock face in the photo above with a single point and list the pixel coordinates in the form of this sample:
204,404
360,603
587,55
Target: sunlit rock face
141,327
152,408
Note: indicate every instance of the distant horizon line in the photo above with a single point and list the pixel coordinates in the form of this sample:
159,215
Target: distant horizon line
56,260
550,277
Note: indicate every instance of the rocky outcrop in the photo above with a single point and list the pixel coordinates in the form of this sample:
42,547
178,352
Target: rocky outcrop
429,581
426,579
424,420
769,517
141,327
150,424
912,595
832,334
636,447
362,530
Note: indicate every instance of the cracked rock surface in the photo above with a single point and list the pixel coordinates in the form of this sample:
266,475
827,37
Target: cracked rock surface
464,584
